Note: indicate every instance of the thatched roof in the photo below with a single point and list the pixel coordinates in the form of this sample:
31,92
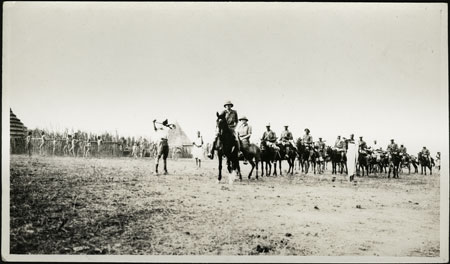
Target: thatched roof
177,137
17,129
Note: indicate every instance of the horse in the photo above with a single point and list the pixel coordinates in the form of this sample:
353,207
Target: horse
363,162
288,153
425,163
252,154
320,160
268,157
226,145
405,162
303,156
394,163
338,160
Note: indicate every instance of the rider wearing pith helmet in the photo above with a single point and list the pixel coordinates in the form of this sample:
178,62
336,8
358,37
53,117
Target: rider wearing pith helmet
231,117
228,103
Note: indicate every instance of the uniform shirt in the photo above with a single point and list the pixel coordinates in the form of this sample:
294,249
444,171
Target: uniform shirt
425,152
286,135
321,145
362,144
307,139
392,147
198,142
244,130
231,117
403,150
269,136
339,143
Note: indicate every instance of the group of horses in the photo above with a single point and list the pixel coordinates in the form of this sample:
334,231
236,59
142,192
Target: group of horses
310,158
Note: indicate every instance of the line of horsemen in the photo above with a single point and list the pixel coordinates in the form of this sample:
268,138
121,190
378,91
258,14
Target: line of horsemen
371,159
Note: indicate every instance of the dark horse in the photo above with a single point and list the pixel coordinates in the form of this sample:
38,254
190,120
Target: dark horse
303,156
394,164
252,154
268,156
338,160
425,162
227,146
363,162
288,153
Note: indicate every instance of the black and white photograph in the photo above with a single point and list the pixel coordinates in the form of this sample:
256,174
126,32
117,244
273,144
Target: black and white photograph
288,132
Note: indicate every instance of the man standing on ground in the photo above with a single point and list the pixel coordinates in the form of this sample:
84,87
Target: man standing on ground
163,145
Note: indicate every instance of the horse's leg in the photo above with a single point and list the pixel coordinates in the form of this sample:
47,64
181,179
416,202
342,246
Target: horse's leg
219,157
253,166
238,168
280,161
275,168
262,168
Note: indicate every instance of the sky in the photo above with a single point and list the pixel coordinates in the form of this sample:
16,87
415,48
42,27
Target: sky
375,70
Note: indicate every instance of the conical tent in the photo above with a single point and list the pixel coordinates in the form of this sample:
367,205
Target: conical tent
178,139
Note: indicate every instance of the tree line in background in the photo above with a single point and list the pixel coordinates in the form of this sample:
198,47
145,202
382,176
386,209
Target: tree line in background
85,144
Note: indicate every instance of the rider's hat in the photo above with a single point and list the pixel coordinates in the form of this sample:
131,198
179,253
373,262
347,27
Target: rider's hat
286,125
228,103
268,125
307,129
243,118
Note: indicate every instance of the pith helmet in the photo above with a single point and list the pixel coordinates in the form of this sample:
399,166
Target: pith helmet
228,103
268,125
243,118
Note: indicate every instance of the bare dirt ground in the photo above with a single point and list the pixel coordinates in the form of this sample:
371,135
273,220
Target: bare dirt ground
65,205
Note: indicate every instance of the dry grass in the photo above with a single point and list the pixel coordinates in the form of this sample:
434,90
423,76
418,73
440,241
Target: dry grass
64,205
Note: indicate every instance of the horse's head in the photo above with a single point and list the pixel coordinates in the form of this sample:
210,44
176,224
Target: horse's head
221,122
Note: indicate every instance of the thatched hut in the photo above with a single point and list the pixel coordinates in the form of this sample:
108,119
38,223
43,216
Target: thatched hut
18,133
178,139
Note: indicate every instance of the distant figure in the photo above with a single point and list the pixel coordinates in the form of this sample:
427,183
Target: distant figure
99,145
198,150
74,146
66,148
438,161
55,141
134,150
42,145
28,146
87,147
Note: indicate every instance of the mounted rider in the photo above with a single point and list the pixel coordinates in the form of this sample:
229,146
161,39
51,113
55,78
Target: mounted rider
362,145
231,117
402,149
393,147
286,137
244,132
339,146
425,153
270,138
322,148
307,139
